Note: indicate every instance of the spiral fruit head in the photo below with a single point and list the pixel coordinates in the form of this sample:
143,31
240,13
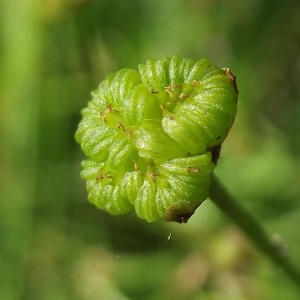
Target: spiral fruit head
153,137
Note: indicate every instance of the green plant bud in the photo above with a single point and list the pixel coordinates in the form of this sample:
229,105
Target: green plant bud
153,137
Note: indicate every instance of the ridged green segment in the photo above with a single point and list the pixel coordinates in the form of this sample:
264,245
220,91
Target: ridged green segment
150,136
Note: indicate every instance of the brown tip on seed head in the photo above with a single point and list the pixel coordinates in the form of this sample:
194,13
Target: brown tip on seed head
215,153
232,78
180,212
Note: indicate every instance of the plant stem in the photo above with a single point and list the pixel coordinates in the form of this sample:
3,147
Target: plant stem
251,228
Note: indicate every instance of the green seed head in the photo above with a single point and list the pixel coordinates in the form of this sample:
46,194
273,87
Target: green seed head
153,137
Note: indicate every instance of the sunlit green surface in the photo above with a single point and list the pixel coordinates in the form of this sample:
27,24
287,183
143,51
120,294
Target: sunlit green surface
54,244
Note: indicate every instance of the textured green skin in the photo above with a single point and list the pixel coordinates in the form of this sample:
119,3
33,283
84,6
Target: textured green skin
150,136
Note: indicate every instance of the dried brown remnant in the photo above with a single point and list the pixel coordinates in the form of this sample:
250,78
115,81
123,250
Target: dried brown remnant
193,169
121,126
152,176
215,153
170,88
101,176
232,77
135,165
107,110
181,213
153,92
183,96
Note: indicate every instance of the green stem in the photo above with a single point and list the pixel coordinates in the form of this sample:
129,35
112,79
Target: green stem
251,228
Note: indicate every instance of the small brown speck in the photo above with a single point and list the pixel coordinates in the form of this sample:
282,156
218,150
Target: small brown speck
183,96
193,169
102,176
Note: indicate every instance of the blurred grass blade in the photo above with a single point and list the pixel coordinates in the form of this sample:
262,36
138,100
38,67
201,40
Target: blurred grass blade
19,67
251,228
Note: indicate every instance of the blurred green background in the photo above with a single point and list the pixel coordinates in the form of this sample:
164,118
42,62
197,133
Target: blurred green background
54,244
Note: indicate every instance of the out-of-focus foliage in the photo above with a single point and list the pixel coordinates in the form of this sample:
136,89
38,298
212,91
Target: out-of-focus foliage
54,244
